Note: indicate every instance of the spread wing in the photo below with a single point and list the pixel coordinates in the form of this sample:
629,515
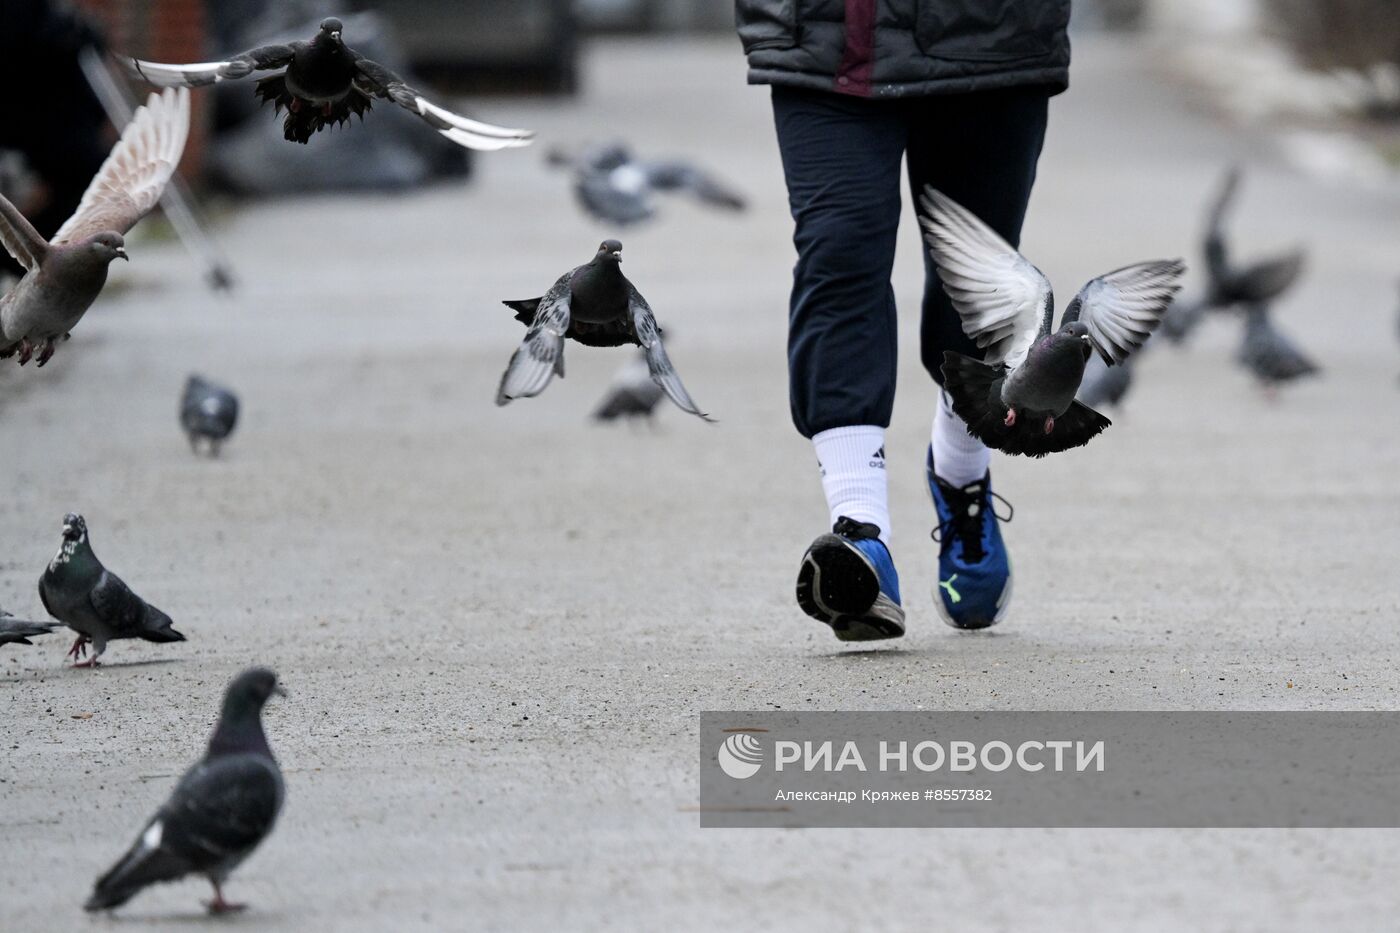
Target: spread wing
1005,302
375,79
130,182
20,238
1123,308
658,363
202,73
1216,249
541,355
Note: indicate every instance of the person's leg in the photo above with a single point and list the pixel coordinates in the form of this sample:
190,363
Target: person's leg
981,150
841,159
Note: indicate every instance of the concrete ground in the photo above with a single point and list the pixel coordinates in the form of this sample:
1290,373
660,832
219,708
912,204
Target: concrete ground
498,624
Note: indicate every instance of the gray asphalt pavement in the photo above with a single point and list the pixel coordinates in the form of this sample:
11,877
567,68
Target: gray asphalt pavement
498,625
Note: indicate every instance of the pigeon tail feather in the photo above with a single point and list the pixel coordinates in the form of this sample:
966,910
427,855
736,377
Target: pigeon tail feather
141,866
308,118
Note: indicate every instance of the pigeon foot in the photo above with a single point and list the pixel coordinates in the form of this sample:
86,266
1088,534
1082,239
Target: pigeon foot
1010,419
90,663
220,906
46,354
79,645
26,350
1049,423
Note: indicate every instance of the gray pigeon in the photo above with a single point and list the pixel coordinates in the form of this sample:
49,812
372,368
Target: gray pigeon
323,83
1105,385
632,393
614,186
65,275
1183,317
1268,354
91,600
1019,398
208,412
220,811
595,305
18,631
1255,282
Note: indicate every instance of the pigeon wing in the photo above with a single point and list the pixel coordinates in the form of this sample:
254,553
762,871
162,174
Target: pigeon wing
130,182
201,73
541,355
681,176
116,605
658,363
19,237
1005,302
1216,250
374,78
1123,308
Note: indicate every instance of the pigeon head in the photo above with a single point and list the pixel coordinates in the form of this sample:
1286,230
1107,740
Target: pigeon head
330,28
107,246
250,691
1076,330
74,527
610,251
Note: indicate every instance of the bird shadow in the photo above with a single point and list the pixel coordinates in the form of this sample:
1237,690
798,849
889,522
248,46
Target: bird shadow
253,916
884,654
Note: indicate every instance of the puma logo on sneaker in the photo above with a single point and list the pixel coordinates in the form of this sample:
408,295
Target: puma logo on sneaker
952,593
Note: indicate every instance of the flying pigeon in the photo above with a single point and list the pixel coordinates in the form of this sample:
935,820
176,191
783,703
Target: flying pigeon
65,275
597,306
1105,385
18,631
91,600
1020,398
1268,354
208,412
614,186
220,811
1255,282
323,83
632,393
1183,317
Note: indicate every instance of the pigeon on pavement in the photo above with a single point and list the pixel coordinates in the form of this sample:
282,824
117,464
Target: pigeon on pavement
614,186
91,600
632,393
18,631
1268,354
208,412
220,811
597,306
65,275
1255,282
323,82
1020,398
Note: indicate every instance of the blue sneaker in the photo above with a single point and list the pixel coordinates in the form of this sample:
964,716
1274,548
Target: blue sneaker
848,581
974,571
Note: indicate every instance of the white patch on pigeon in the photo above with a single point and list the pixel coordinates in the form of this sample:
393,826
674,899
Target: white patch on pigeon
150,839
628,178
210,405
65,553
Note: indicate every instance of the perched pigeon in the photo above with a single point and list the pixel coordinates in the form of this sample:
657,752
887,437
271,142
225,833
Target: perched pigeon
614,186
1256,282
1020,400
207,412
220,811
323,83
1105,385
632,393
596,306
1267,353
91,600
18,631
65,275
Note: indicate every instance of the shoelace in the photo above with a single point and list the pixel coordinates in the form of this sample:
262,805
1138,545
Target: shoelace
967,521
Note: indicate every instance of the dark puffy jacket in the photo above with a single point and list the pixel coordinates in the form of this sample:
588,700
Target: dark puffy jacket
899,48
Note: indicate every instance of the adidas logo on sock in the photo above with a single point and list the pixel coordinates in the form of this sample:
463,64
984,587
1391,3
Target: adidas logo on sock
877,459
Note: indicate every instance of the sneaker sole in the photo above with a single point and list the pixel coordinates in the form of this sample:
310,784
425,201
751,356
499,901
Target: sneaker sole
836,586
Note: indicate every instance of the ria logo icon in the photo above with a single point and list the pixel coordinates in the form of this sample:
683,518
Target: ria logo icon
740,756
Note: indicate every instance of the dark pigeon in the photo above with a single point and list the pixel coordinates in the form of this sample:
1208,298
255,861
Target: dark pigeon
18,631
632,393
1253,283
65,275
596,305
94,602
614,186
208,412
1271,357
220,811
1105,385
323,83
1020,398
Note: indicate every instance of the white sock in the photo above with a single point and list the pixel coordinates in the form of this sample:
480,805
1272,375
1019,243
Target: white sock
958,457
852,461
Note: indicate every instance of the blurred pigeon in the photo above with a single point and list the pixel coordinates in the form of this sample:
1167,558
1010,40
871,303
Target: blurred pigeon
1255,282
597,306
220,811
91,600
1020,399
323,83
1105,385
18,631
614,186
65,275
632,393
1268,354
1182,317
208,412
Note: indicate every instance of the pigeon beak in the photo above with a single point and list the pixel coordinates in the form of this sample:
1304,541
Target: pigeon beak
336,35
121,251
280,690
617,254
